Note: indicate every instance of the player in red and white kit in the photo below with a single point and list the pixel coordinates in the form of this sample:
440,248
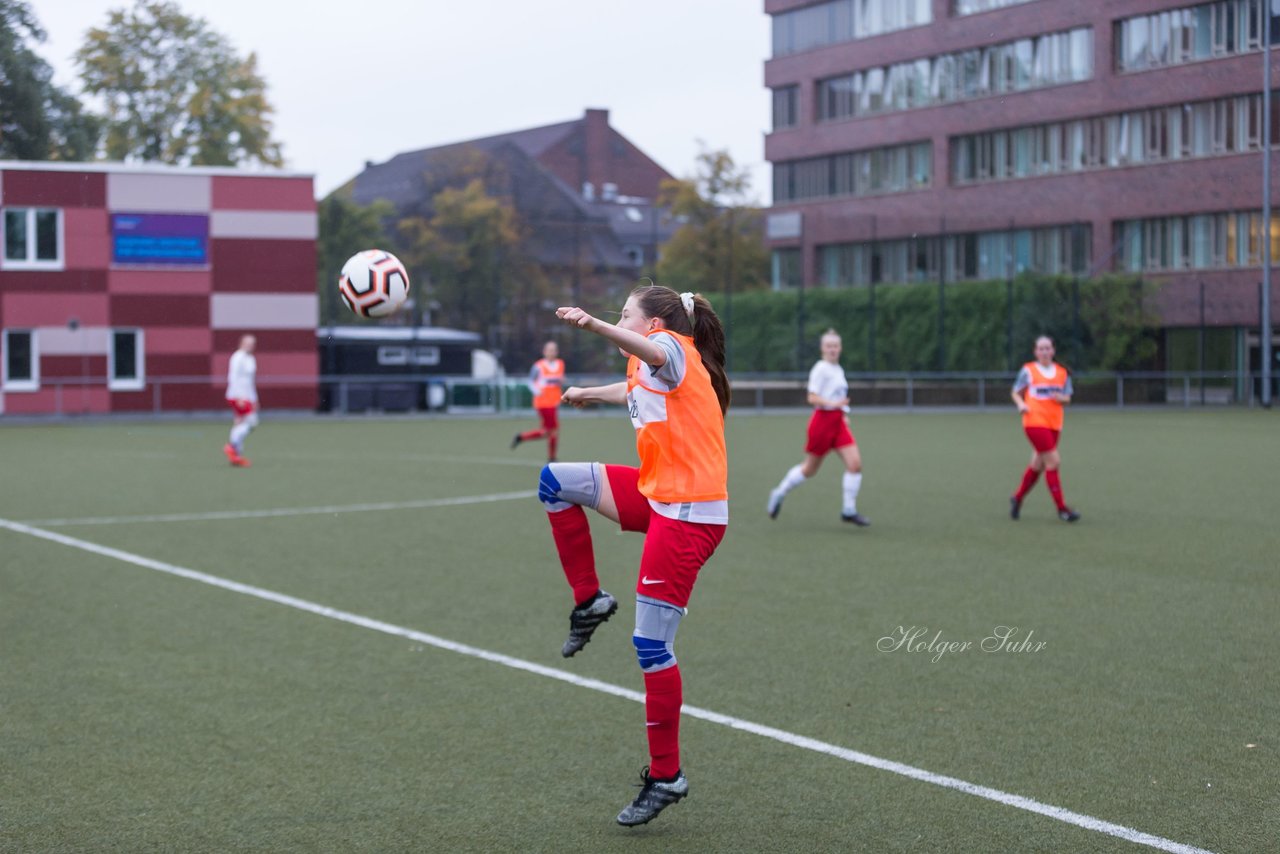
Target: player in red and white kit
828,432
546,380
242,396
676,393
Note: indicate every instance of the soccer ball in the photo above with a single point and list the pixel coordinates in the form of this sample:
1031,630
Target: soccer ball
373,283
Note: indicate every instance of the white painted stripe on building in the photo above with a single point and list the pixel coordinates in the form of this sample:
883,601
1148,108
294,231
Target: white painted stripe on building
151,193
85,341
264,311
264,225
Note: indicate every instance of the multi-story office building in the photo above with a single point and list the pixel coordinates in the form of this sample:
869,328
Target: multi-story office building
955,140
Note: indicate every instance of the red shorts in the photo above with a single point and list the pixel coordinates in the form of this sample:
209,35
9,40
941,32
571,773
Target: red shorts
241,407
1041,438
828,431
550,418
674,551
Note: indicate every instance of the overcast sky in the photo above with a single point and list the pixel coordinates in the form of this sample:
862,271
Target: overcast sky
359,81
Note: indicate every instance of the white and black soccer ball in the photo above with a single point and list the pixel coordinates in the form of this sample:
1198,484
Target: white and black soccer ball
373,283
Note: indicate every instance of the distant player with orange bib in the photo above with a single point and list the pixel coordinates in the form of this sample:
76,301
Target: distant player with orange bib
546,380
1042,389
676,393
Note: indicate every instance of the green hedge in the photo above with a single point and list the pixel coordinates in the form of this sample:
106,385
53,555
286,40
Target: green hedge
1108,323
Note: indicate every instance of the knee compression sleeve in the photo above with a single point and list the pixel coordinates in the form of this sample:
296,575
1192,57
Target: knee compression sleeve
562,485
655,634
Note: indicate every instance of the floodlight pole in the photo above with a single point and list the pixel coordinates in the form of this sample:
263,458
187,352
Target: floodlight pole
1264,320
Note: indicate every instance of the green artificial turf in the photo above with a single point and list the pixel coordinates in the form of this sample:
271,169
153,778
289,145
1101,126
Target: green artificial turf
145,712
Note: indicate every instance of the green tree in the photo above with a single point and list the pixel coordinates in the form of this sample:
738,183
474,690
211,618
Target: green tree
345,228
175,91
720,246
38,120
468,249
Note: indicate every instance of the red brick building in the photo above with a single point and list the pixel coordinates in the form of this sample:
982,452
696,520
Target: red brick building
922,140
126,288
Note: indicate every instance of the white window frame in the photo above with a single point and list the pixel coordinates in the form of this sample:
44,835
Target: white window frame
30,262
21,385
135,383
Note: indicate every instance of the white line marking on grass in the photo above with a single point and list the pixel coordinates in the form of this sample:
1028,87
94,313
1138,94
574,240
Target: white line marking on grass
218,515
1017,801
422,458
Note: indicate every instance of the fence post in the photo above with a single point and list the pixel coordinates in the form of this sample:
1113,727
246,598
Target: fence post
982,392
1120,390
911,393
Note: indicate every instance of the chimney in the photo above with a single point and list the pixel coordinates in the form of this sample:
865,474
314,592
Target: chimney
599,165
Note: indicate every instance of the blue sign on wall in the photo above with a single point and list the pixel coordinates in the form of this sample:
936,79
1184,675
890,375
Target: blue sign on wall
160,239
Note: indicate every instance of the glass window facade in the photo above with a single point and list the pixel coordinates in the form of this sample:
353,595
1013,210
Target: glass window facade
839,21
969,7
1054,250
21,360
32,237
1177,132
1000,69
1195,33
1195,242
894,169
786,107
787,269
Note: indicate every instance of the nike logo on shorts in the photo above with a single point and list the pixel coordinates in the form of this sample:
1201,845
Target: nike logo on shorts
647,580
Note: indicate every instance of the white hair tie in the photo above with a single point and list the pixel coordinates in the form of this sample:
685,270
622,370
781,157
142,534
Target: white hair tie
686,299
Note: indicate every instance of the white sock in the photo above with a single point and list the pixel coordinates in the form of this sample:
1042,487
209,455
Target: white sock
238,432
852,483
793,478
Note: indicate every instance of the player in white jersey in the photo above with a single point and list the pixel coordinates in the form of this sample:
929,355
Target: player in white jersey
242,395
828,431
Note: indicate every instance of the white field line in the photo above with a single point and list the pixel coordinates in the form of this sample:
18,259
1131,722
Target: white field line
1016,801
519,462
219,515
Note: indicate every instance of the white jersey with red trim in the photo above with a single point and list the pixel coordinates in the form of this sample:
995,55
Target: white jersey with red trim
242,373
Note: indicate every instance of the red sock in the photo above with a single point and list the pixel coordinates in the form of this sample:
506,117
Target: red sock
572,534
663,696
532,434
1055,487
1029,478
553,442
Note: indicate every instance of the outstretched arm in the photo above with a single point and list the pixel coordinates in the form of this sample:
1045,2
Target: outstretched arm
629,342
580,397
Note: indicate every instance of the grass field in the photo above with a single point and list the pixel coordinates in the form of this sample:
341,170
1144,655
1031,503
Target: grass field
140,711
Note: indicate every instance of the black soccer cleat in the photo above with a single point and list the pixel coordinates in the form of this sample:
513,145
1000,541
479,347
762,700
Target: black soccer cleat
1068,515
585,619
774,507
1015,507
515,442
654,797
855,519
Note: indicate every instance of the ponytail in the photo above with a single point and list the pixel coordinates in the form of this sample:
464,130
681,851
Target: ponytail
708,337
702,324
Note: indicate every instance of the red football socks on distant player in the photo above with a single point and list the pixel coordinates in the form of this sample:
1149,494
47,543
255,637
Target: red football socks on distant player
663,696
1052,481
572,534
532,434
1029,478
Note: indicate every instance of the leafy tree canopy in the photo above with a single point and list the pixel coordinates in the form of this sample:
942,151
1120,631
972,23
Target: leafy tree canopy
175,91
